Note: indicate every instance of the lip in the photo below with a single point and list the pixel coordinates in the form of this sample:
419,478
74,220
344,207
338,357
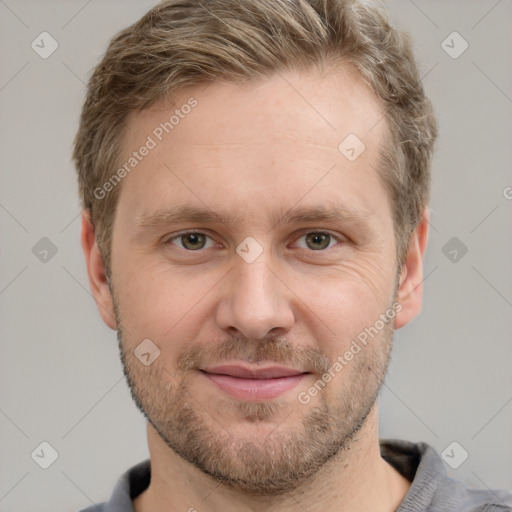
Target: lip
269,372
254,383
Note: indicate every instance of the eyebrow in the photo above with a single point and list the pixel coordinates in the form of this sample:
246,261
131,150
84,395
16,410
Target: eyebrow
198,215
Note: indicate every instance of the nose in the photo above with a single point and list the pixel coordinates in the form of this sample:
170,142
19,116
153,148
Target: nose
255,302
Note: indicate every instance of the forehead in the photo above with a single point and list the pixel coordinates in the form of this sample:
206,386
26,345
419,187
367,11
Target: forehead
319,107
266,138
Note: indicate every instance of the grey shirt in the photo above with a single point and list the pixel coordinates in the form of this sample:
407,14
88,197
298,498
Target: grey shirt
431,490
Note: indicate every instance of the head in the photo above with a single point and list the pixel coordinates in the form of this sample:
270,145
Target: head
229,120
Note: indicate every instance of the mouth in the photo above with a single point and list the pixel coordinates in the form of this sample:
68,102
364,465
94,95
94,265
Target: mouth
254,384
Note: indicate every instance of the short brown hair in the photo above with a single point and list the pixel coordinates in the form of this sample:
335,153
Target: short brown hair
180,43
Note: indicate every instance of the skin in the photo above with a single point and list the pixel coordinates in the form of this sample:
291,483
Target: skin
259,151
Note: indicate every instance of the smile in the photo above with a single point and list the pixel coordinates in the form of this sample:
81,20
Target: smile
254,384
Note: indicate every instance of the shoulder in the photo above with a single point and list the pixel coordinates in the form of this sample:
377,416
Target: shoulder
451,491
432,489
129,485
466,499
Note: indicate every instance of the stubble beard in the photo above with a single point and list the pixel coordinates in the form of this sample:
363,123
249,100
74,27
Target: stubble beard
305,440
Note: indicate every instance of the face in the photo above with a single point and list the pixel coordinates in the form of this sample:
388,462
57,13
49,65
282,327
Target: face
255,255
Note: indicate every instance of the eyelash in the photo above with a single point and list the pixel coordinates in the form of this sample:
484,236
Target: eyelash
336,238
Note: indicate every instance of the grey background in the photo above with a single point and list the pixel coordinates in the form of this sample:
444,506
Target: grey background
60,375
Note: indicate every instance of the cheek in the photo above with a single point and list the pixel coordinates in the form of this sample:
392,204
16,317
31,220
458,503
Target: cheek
370,280
365,279
332,304
161,302
343,302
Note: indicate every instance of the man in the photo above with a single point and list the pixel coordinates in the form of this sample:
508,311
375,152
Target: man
255,181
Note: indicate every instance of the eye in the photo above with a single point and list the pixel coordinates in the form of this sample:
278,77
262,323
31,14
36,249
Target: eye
195,241
317,241
192,241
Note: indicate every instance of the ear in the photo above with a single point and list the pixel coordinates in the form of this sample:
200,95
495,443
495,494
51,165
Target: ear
410,290
96,271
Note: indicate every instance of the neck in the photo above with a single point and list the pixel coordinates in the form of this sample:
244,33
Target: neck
356,479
